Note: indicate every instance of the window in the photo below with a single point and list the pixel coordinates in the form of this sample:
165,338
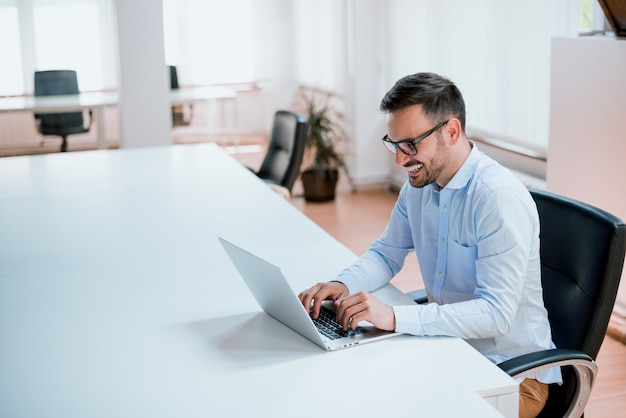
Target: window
210,42
57,34
498,53
11,82
67,36
591,18
321,56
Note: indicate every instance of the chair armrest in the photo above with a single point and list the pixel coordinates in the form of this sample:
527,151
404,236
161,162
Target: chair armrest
545,359
585,371
419,296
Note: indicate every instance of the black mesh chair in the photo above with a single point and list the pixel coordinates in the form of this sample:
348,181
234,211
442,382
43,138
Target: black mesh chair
281,164
582,255
59,82
181,115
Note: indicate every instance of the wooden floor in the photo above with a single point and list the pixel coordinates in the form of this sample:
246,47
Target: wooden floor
357,219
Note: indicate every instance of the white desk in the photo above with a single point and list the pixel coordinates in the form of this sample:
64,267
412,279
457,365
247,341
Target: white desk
64,103
117,300
221,95
186,95
100,100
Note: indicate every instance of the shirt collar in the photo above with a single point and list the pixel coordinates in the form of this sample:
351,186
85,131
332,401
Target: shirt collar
465,172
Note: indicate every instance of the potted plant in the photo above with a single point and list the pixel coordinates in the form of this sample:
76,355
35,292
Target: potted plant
323,158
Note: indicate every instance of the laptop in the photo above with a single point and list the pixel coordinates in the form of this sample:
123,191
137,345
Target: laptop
273,293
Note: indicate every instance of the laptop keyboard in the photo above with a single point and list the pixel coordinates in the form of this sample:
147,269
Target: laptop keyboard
327,324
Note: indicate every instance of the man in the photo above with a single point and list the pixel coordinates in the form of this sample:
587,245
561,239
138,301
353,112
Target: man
474,228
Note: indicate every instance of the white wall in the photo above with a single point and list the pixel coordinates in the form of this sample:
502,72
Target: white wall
587,135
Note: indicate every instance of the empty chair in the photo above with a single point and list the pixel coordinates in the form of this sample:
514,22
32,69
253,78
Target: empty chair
181,115
281,164
59,82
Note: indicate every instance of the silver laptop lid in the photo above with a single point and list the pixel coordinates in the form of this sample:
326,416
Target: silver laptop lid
272,291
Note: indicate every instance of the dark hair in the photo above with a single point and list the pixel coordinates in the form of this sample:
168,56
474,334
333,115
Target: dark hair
439,97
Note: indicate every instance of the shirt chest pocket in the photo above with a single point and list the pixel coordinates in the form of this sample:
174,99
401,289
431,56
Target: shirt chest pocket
461,268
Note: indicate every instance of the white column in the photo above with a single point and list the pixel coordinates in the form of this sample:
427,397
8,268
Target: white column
144,103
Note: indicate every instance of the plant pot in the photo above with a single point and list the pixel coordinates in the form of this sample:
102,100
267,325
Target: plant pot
319,185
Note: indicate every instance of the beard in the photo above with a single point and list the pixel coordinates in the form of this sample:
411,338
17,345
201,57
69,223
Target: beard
427,176
432,169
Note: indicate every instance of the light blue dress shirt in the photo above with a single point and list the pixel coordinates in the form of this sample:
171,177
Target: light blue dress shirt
477,244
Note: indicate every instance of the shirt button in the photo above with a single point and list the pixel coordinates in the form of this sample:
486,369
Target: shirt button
445,208
440,275
443,240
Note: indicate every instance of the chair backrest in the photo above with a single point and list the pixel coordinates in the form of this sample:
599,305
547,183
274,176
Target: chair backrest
582,255
181,115
58,82
173,77
55,82
285,151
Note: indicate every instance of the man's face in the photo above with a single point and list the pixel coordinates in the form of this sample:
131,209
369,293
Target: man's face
432,156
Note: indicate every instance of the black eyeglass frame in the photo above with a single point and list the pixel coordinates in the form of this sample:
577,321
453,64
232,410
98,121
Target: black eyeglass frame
410,143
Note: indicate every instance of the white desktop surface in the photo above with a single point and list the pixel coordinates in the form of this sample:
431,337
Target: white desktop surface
59,103
185,95
75,102
116,300
100,100
65,103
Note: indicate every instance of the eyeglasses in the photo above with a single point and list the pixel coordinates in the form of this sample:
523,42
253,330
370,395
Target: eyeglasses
409,146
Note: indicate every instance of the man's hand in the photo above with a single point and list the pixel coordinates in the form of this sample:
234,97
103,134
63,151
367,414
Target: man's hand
321,292
362,306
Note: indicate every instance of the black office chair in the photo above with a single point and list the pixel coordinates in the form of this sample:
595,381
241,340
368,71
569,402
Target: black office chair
181,115
59,82
281,164
582,255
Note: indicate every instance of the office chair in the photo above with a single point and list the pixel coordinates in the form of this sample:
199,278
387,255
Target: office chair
582,255
59,82
281,164
181,115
